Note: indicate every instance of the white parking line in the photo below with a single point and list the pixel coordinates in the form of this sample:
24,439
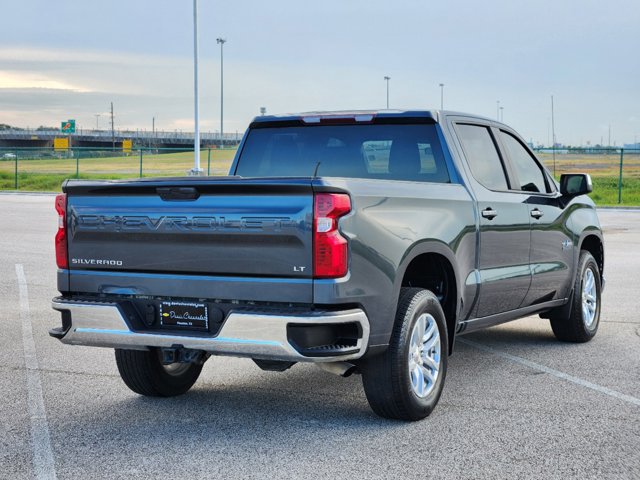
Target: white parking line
43,464
551,371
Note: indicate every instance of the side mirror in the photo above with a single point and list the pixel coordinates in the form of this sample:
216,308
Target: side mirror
572,184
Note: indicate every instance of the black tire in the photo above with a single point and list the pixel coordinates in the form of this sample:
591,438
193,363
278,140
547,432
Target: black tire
144,373
387,378
572,324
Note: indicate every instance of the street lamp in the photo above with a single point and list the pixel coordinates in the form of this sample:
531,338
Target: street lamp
498,109
387,80
553,137
442,96
221,42
502,114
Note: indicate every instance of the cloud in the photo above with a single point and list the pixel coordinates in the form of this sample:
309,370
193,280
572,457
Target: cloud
35,55
26,80
92,71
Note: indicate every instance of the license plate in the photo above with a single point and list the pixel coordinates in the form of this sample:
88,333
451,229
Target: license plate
184,315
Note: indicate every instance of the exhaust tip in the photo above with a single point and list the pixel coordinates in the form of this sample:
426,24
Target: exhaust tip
342,369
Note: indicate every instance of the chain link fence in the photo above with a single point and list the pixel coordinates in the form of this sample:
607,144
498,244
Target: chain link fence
46,168
615,171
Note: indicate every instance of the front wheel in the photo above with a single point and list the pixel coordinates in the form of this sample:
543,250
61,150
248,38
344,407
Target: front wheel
144,373
405,382
581,322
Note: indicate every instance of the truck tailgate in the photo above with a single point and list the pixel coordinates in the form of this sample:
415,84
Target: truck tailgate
228,226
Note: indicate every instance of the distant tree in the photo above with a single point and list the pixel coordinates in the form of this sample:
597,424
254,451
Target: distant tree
4,126
42,127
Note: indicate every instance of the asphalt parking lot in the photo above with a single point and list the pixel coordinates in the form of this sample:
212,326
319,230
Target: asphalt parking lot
517,403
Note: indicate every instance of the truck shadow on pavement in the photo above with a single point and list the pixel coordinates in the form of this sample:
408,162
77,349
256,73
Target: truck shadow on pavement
234,403
287,411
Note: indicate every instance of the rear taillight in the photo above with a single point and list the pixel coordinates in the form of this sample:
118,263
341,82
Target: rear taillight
330,250
61,235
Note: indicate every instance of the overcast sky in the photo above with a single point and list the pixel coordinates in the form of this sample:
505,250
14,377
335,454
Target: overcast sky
69,58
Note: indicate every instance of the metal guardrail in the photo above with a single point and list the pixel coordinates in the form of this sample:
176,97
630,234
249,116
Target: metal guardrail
145,136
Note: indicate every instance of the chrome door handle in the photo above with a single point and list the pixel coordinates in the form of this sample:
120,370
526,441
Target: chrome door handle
535,213
489,213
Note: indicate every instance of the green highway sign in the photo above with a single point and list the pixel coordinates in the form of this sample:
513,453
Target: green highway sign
68,127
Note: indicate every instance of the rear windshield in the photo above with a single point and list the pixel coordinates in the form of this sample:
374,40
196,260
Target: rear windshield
396,152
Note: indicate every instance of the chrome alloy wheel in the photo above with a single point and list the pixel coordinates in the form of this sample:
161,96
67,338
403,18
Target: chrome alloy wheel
424,355
589,298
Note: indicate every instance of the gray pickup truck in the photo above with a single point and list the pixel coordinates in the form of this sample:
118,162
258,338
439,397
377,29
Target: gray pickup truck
360,241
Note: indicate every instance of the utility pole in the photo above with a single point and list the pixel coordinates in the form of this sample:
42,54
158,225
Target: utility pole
196,170
221,42
387,80
442,96
113,130
609,145
97,115
498,109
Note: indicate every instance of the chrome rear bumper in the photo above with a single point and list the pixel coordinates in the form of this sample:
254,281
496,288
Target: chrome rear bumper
243,334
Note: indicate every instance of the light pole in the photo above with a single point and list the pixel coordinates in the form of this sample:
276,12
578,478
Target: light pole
97,115
442,96
553,137
502,114
196,141
221,41
498,109
387,80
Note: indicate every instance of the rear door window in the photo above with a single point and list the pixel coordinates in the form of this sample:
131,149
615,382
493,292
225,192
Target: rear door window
482,156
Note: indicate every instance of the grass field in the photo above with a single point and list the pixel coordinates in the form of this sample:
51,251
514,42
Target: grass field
598,165
35,174
604,171
174,163
47,174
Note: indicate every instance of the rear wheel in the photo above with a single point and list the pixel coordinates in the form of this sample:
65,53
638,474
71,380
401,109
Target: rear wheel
580,322
406,381
144,373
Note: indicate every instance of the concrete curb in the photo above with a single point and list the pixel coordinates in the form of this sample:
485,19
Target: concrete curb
15,192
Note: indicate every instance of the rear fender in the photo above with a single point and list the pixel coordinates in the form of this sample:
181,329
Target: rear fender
440,248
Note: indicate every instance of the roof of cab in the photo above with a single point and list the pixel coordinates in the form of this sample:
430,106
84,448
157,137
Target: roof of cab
364,116
357,115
